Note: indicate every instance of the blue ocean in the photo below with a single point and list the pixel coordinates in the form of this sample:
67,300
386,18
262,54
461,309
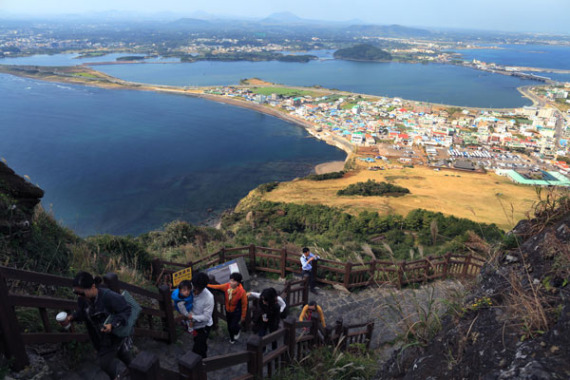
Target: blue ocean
126,162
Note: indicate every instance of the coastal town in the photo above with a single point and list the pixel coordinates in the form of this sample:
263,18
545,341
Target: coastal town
527,144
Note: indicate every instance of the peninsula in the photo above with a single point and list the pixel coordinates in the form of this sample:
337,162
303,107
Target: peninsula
398,141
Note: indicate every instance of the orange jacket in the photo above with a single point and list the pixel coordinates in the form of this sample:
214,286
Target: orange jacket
239,293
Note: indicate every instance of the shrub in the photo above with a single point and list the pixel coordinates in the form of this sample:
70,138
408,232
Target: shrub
372,188
325,176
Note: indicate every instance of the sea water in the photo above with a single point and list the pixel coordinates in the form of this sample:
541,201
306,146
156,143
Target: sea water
126,162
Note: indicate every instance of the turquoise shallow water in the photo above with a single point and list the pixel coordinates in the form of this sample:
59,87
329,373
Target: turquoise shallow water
126,162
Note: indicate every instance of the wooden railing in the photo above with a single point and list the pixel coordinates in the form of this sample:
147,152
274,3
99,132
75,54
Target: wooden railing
347,274
264,356
156,319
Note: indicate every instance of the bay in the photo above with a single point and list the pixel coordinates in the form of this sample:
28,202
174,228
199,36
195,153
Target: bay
126,162
436,83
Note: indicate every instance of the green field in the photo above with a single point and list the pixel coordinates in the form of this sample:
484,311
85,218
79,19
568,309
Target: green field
284,91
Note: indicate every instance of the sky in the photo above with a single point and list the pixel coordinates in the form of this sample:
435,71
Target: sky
548,16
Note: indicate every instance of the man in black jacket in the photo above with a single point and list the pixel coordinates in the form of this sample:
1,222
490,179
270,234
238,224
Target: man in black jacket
95,307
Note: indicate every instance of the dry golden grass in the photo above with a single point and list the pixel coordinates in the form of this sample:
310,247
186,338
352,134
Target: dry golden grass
484,198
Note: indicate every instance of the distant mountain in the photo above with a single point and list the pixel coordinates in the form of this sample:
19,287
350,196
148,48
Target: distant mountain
282,17
190,23
388,31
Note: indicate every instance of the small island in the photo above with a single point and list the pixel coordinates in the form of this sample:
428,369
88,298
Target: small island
363,52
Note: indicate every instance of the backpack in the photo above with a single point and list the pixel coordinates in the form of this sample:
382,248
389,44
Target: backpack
128,328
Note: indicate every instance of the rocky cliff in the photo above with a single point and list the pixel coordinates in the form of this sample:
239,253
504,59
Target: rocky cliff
18,198
516,321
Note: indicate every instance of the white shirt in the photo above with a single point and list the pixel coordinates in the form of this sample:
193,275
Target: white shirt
202,309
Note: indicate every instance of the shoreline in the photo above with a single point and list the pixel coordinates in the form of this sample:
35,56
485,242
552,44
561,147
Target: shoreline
105,81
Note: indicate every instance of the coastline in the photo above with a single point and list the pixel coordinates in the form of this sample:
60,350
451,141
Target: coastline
73,75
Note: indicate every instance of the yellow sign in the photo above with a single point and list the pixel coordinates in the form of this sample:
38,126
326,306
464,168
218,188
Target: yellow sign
184,274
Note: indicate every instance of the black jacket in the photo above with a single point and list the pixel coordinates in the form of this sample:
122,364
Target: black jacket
273,317
94,313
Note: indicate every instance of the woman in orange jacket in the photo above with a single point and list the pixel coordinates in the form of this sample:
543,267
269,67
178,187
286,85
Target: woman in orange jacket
236,304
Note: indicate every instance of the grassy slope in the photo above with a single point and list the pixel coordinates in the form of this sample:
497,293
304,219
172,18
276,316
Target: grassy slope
471,196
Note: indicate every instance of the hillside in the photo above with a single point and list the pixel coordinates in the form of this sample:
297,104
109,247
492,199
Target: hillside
515,323
363,52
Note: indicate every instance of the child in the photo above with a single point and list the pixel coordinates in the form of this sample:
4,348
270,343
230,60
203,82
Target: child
236,304
183,300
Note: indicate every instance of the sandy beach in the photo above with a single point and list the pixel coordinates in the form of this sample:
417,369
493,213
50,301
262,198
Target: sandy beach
329,167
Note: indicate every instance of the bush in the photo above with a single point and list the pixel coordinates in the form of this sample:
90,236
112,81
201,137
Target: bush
268,187
125,249
372,188
325,176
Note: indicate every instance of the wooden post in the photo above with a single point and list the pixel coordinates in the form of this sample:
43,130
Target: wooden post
287,291
401,273
283,262
466,266
156,269
305,290
256,366
191,367
145,366
222,255
372,278
290,336
13,342
446,265
369,331
315,329
166,307
252,258
112,282
347,272
45,319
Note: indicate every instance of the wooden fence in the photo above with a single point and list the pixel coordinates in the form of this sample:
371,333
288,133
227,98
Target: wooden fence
349,275
264,356
156,319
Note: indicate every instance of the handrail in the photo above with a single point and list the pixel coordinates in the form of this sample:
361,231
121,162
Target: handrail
348,274
13,340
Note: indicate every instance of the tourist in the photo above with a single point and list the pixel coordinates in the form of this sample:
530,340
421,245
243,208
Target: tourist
282,305
103,310
309,310
306,259
236,304
201,314
183,298
266,314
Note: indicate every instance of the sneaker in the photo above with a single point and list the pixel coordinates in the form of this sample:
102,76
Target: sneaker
232,341
236,337
190,329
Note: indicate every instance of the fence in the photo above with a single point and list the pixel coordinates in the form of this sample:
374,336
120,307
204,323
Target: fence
349,275
156,319
264,356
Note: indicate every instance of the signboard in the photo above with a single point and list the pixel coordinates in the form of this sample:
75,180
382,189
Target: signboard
221,273
178,277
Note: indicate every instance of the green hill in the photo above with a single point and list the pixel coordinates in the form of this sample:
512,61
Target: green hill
363,52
